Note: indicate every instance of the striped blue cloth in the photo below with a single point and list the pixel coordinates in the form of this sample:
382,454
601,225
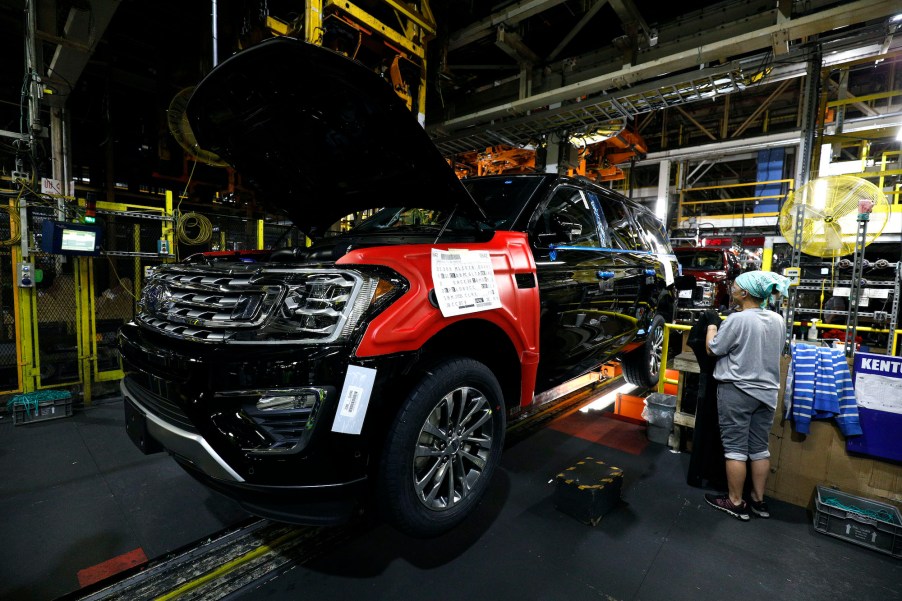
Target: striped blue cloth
822,389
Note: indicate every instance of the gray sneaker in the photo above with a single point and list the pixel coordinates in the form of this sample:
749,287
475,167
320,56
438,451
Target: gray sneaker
723,502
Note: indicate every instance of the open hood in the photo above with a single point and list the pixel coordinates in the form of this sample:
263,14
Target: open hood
320,135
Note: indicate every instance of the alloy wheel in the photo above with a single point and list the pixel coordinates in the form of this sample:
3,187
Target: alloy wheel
453,448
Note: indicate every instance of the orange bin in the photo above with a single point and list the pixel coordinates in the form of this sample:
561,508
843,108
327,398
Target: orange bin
672,374
629,406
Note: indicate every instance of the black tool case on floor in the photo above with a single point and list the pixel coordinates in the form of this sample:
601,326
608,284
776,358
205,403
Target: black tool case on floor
588,490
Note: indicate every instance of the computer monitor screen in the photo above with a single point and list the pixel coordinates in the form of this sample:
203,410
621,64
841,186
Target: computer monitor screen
73,239
78,240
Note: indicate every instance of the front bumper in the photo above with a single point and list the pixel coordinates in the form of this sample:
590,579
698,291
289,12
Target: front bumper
151,433
198,402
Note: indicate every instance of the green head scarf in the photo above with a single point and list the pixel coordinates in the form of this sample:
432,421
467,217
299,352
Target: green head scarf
761,284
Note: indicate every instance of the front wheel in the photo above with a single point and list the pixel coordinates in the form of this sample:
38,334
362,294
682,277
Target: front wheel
443,448
642,366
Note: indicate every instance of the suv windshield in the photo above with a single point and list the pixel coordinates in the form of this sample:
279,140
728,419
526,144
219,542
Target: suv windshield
502,198
395,218
413,219
700,259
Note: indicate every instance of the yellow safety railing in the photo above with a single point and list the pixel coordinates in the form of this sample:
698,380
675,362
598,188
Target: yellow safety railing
830,326
663,379
662,376
884,173
730,205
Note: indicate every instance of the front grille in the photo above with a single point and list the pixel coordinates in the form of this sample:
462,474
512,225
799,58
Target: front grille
221,303
158,404
208,304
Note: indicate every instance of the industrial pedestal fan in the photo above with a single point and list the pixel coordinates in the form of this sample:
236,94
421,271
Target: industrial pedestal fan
830,209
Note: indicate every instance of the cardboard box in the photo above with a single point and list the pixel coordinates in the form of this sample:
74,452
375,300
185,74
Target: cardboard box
799,463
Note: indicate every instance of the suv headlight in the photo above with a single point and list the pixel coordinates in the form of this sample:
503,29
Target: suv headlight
318,306
327,306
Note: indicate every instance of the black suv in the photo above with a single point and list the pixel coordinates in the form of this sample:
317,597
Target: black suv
378,365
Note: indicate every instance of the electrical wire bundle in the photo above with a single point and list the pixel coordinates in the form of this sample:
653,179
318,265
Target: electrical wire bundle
190,221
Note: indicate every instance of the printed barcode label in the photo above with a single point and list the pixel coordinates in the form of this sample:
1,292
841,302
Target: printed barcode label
351,402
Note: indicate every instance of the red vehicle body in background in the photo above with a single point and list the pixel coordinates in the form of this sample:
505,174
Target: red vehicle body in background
714,269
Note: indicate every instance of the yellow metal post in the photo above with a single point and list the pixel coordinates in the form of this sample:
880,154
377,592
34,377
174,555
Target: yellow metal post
767,259
84,308
313,21
28,330
25,324
137,281
260,240
169,230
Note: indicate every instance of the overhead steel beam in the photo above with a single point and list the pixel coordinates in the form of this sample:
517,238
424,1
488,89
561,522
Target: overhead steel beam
511,15
802,27
692,120
512,44
426,21
593,10
761,108
631,18
82,32
716,150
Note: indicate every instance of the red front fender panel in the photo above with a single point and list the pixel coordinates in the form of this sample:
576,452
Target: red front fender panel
412,320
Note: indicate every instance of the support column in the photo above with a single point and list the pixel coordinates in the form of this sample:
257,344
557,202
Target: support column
60,152
803,171
661,207
552,155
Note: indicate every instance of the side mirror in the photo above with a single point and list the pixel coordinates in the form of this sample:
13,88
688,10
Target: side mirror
561,232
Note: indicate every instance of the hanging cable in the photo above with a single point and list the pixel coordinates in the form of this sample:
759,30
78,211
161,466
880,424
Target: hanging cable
118,279
15,228
194,220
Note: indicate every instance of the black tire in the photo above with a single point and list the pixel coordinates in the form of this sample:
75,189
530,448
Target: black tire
431,450
642,366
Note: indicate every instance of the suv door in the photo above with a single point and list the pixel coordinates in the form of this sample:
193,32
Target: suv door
661,266
629,268
579,324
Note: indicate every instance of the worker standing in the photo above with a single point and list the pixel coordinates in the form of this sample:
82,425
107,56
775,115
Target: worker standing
748,345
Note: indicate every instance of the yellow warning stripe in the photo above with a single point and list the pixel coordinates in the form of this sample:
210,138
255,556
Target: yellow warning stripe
232,565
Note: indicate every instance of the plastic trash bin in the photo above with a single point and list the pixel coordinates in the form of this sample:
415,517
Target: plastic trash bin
658,412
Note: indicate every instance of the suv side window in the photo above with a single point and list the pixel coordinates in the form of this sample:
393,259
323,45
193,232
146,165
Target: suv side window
620,227
652,232
569,219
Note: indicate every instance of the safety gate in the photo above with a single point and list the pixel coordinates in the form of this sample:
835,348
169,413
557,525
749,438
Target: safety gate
59,330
